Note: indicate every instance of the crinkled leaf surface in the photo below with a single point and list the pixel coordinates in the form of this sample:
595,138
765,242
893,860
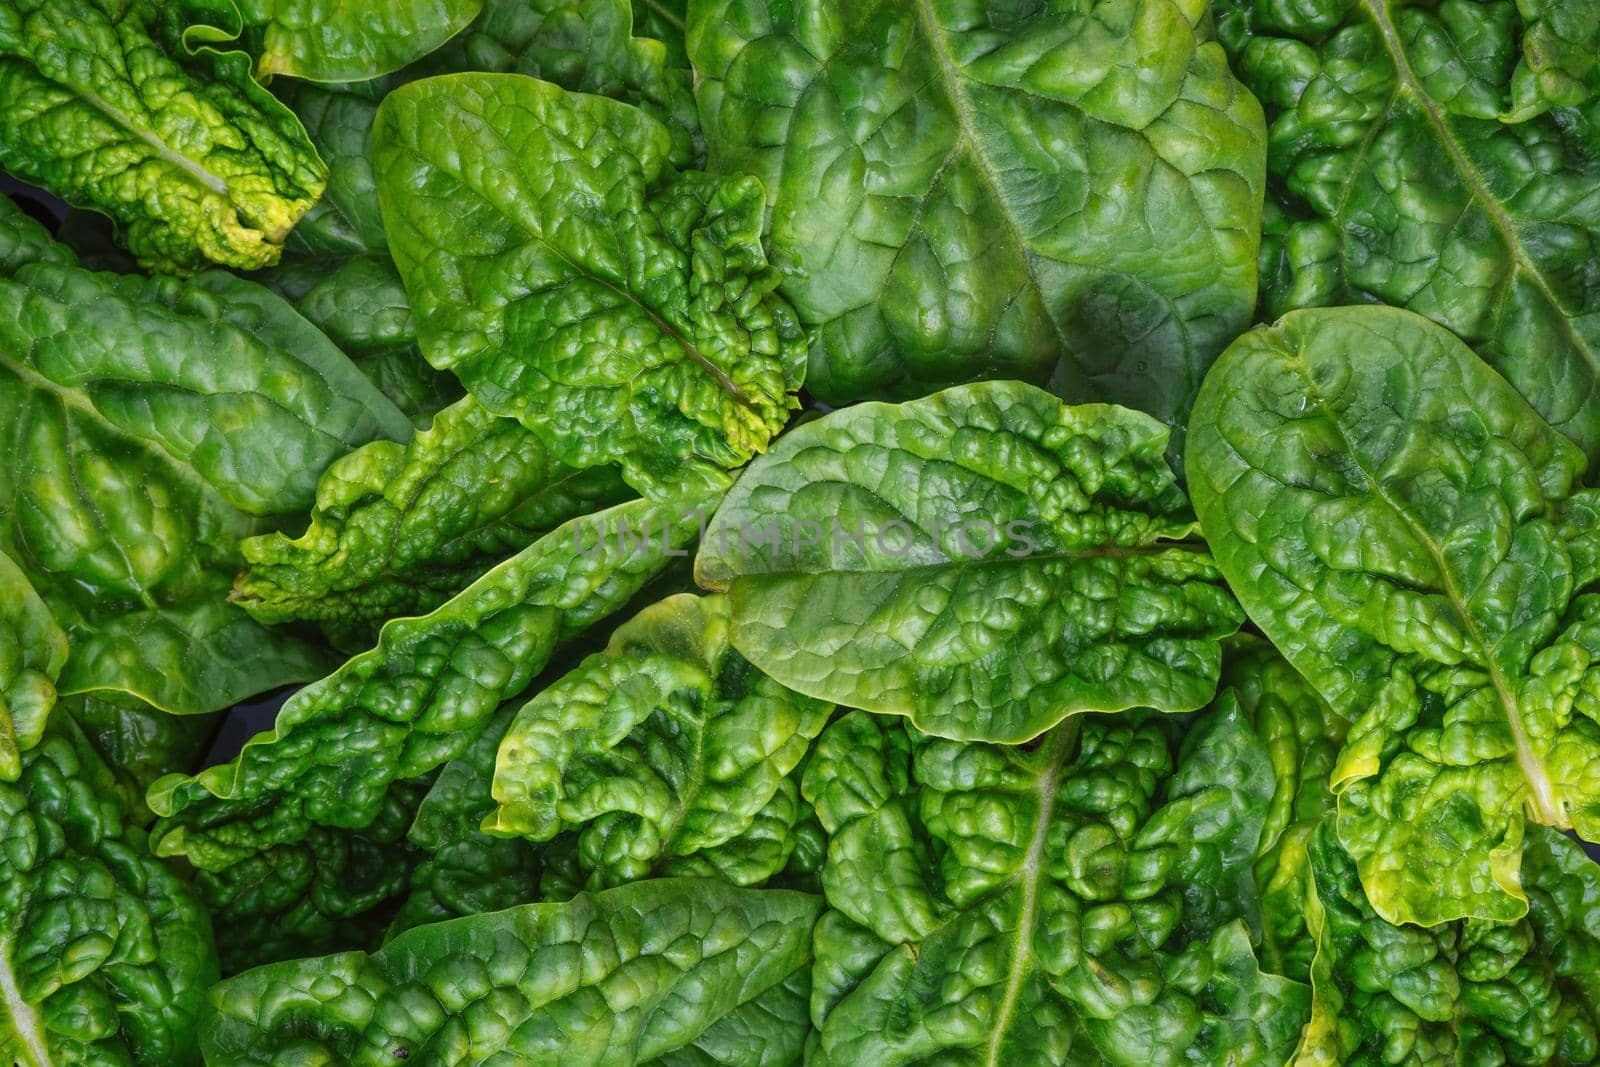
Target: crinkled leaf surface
632,975
109,107
1402,183
331,890
569,279
465,871
586,46
666,754
32,652
397,529
1302,736
418,699
1062,193
1077,901
105,956
986,560
139,743
350,40
1467,992
149,424
1412,536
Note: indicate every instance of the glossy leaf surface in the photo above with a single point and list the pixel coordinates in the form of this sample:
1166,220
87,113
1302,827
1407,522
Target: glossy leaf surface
1420,168
569,279
1463,992
398,529
667,754
1066,193
350,40
105,955
129,108
629,976
417,700
1412,536
986,560
150,424
1078,901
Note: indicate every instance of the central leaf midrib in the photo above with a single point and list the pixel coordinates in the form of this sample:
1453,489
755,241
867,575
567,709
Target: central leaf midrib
25,1020
1096,552
1030,872
1538,784
961,108
193,168
1476,187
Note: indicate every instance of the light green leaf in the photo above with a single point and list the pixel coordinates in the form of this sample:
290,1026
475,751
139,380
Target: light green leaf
1463,992
1078,901
1302,735
629,976
666,754
1063,193
572,281
1401,183
154,423
398,529
105,956
350,40
986,560
1412,536
112,106
419,698
32,652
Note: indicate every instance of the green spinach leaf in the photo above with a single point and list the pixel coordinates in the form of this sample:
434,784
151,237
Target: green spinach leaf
1402,182
1062,193
986,560
1414,538
572,280
350,40
1078,901
399,529
669,971
126,107
151,423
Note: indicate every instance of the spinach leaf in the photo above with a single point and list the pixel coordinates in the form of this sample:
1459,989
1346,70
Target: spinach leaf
1461,992
33,650
349,40
571,280
667,971
986,560
1413,537
398,529
105,955
399,711
1078,901
666,754
1403,182
150,424
126,107
1061,193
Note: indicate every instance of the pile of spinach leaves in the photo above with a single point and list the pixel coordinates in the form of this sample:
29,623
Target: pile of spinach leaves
800,532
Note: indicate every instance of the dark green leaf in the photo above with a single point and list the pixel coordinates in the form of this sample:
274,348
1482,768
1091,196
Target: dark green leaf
1064,193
